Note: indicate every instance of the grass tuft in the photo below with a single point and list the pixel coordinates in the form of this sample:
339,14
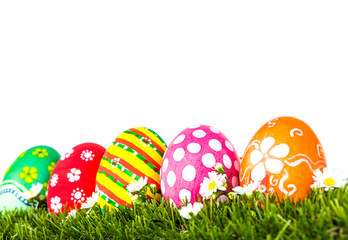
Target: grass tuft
323,215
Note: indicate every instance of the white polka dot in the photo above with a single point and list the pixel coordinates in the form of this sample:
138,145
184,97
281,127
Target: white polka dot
185,195
208,160
171,178
215,145
165,165
179,139
199,133
229,145
234,181
163,189
189,173
214,130
179,154
194,147
237,165
227,161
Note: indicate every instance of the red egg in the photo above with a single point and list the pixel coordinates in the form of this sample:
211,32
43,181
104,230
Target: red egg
73,180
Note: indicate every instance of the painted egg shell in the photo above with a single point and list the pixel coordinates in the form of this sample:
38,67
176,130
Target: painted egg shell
190,157
73,180
135,153
33,166
283,155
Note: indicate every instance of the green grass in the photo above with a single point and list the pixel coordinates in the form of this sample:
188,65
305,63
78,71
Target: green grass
320,216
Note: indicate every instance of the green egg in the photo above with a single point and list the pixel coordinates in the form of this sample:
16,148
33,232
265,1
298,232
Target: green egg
31,167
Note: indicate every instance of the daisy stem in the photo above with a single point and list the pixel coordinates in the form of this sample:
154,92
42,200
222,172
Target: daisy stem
229,183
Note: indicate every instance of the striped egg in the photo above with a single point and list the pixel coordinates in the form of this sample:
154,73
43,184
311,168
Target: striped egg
135,153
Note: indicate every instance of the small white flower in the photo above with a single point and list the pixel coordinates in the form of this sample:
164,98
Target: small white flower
87,155
328,178
212,184
134,197
90,201
56,205
246,189
137,186
195,208
54,180
219,168
74,175
72,214
33,192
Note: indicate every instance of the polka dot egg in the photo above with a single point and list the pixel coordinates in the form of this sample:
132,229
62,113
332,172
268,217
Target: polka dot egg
190,157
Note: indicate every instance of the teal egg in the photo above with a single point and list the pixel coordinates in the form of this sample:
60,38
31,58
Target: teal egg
33,166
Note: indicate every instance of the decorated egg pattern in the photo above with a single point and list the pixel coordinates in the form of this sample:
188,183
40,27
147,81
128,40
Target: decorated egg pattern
73,180
283,155
190,157
135,153
33,166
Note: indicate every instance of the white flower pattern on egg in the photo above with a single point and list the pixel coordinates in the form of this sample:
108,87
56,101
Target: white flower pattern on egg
266,157
87,155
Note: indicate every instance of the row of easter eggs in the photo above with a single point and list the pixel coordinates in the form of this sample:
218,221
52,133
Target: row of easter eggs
282,156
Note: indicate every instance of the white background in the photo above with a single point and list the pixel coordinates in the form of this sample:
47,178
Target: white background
83,71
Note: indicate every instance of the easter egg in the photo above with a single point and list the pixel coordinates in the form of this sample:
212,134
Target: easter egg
135,154
31,168
72,183
190,158
282,156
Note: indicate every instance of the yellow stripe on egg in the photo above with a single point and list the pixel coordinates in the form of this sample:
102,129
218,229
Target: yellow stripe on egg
134,161
114,188
148,150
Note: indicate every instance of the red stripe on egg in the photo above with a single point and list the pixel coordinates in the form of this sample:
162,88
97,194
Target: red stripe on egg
111,195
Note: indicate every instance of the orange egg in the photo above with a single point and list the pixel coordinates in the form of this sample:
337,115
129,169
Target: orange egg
283,156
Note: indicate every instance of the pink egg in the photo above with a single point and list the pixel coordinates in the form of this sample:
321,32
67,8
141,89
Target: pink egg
190,157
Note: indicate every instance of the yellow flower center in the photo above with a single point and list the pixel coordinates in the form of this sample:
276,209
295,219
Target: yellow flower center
212,185
329,182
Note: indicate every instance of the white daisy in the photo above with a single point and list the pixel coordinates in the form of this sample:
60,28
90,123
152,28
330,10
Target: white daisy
212,184
33,192
246,189
195,208
90,201
328,178
136,186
